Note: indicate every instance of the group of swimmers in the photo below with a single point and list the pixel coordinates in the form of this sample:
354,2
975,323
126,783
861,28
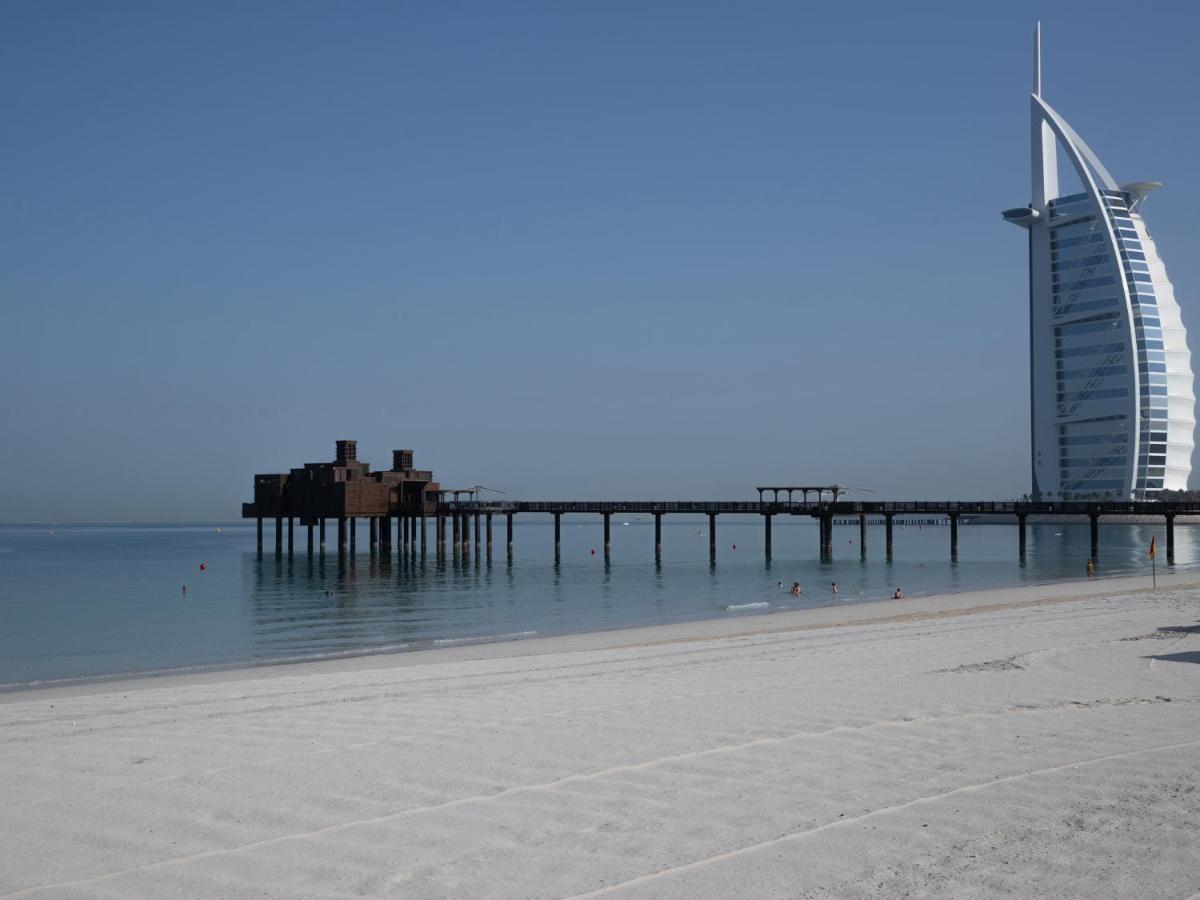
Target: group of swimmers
833,589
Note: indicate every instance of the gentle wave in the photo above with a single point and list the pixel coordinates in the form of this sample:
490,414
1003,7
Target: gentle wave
759,605
484,638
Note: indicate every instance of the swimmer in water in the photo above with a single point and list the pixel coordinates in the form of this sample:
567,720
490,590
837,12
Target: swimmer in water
899,595
833,587
184,589
796,589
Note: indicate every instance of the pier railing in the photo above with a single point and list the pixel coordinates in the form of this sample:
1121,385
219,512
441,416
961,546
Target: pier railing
843,507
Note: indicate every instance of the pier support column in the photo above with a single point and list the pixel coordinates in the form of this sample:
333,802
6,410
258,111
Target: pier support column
421,525
260,535
1094,522
1171,540
466,535
489,535
279,534
385,534
607,533
862,535
341,534
310,539
322,535
353,534
291,536
476,534
440,531
712,535
1021,534
826,529
658,536
403,526
508,525
374,532
456,536
767,534
887,533
954,535
557,536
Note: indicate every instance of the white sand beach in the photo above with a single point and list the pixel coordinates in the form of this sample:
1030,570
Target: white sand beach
1042,741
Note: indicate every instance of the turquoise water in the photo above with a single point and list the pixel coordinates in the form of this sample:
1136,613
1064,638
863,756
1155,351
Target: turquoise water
81,601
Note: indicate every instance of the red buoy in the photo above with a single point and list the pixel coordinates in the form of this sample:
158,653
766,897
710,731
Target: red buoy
203,567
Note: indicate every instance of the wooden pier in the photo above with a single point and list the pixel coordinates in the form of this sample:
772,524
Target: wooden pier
347,490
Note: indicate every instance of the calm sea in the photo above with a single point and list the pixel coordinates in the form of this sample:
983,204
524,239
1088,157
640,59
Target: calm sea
86,601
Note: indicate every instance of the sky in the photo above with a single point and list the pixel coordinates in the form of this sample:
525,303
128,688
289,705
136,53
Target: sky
565,250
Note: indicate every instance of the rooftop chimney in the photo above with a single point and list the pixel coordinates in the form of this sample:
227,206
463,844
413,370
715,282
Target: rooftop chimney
347,452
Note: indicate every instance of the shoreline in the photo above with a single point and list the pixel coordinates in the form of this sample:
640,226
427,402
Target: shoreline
1039,740
751,624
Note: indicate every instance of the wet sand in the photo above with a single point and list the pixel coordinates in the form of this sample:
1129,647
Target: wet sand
1039,741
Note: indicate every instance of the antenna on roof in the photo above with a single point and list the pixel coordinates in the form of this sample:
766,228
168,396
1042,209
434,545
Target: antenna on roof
1037,60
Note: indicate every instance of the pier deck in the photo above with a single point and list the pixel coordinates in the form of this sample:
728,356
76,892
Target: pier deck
347,489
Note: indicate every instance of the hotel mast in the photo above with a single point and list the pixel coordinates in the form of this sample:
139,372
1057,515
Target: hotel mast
1113,408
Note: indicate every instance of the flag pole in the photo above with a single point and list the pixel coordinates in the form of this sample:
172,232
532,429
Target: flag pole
1153,563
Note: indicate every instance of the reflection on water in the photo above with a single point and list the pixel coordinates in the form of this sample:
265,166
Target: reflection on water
91,600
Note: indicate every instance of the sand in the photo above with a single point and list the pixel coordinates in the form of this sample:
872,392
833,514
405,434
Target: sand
1034,742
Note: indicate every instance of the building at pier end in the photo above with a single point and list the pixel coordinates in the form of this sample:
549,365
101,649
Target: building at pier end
1113,408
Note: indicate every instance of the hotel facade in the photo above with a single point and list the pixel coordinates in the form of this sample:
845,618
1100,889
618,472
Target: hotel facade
1113,408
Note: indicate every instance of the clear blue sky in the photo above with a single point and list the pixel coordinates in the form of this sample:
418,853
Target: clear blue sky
591,250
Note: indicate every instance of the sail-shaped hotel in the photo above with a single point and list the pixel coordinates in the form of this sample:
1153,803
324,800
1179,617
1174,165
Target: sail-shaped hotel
1113,408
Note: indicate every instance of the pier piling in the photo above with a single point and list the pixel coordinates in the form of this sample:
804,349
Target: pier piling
341,534
862,535
712,535
658,536
353,534
374,533
887,533
1094,523
767,534
291,536
489,535
322,535
607,533
1021,535
1170,540
477,534
508,525
310,539
954,535
278,535
557,536
260,535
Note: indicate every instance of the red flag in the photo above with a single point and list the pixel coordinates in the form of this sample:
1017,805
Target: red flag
1152,546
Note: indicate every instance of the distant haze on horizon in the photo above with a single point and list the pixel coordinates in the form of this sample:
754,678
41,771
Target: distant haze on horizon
593,251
